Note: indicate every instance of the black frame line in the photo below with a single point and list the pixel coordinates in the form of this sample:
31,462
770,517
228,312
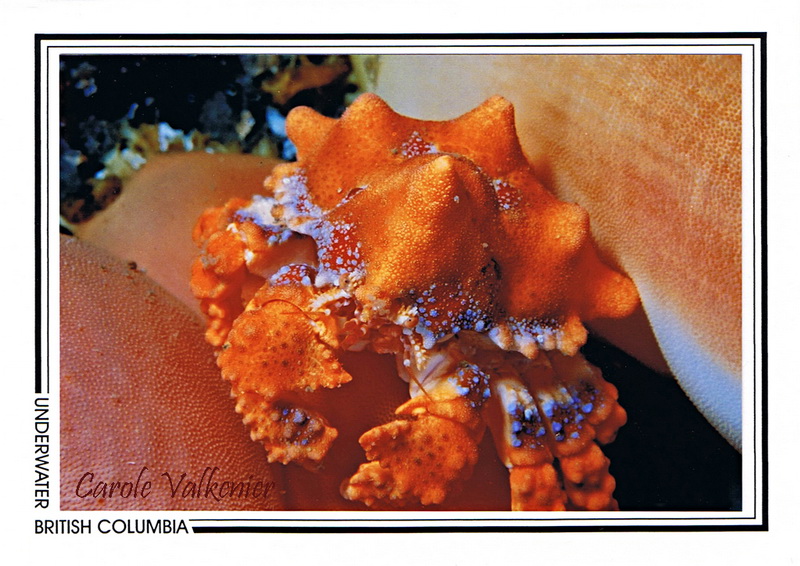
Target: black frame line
42,277
401,36
37,219
463,529
764,302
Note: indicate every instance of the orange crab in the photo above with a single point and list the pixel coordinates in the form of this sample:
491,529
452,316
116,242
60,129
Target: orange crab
432,242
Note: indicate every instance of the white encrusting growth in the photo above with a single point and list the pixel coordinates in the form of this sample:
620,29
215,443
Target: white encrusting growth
567,406
416,145
293,273
522,417
259,211
508,196
445,311
340,261
293,210
330,296
526,335
167,136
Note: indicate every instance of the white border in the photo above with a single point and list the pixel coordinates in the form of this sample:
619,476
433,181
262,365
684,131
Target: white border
51,49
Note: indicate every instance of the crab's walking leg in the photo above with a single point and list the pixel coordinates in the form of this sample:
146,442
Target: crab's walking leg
430,449
520,438
545,423
582,410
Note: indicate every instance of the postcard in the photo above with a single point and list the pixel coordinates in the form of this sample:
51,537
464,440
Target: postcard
444,283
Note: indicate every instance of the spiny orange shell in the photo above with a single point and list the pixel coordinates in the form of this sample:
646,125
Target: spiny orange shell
421,233
449,210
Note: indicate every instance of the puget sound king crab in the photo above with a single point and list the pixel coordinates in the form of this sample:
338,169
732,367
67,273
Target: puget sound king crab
435,243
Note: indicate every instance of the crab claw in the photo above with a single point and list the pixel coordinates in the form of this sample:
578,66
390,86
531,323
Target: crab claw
545,428
417,460
237,256
276,355
425,455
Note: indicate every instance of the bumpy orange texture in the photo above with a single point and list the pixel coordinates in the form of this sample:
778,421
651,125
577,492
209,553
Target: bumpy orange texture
139,388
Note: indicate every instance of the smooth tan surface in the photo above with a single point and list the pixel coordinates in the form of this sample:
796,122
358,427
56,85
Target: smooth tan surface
151,222
139,388
651,147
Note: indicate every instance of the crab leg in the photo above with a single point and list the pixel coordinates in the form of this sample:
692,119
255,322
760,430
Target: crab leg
545,423
519,431
581,410
430,449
